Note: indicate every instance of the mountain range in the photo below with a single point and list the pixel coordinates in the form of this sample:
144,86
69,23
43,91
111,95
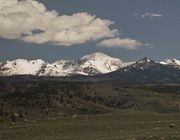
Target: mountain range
93,64
147,71
97,66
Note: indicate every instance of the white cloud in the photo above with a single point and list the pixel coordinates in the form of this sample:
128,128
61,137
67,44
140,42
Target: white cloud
21,19
151,15
125,43
30,21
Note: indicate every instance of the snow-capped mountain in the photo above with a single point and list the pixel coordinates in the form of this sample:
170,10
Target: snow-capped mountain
146,63
93,64
21,67
143,64
96,63
144,71
173,62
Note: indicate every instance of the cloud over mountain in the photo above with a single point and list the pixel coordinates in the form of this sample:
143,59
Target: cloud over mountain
125,43
30,21
21,19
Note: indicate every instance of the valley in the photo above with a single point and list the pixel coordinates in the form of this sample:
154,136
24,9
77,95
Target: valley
44,109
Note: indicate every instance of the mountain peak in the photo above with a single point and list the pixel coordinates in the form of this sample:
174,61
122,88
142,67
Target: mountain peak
96,55
99,63
142,64
143,60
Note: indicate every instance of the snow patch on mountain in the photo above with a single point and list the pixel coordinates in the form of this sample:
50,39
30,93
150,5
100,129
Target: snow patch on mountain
21,67
173,62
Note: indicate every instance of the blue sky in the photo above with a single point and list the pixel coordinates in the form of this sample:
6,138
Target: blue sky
159,35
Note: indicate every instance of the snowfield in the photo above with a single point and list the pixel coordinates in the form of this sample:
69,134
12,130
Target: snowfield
93,64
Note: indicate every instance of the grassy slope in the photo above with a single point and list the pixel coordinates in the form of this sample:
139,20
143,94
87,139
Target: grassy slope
122,125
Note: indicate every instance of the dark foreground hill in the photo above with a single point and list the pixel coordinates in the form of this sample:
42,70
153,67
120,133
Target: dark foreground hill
41,99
